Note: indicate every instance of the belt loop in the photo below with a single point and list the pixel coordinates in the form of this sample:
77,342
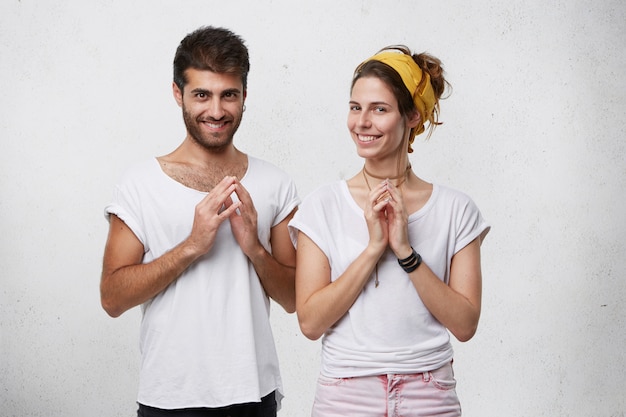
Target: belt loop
426,376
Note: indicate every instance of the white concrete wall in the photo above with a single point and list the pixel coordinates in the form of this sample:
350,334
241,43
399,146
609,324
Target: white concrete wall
534,132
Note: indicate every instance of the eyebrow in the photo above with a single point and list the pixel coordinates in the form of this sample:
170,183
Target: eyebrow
231,90
200,90
209,92
375,103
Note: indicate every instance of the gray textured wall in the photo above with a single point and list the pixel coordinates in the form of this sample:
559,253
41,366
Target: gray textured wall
534,132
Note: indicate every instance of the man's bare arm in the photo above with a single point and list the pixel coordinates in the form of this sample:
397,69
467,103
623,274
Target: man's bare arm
277,271
125,281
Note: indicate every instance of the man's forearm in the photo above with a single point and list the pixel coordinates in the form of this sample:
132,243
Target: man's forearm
278,280
128,286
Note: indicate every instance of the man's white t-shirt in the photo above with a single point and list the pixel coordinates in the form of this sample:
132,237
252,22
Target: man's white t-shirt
206,339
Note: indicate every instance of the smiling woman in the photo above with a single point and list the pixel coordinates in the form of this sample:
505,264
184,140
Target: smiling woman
375,122
386,262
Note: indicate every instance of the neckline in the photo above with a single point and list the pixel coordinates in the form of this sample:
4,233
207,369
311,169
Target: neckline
412,216
180,184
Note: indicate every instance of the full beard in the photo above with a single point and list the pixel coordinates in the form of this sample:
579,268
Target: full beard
213,142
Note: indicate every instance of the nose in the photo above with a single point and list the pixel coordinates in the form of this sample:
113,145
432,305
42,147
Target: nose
216,109
364,120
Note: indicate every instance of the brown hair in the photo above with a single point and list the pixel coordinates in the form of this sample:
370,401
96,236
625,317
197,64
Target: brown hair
215,49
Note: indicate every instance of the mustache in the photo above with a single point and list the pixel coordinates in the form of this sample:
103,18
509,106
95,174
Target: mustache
212,119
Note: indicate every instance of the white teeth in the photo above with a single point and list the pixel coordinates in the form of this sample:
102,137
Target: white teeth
215,126
366,138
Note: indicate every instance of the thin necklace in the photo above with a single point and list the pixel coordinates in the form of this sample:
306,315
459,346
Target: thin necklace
368,183
406,171
404,176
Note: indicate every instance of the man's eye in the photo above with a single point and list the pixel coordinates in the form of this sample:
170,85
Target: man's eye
355,108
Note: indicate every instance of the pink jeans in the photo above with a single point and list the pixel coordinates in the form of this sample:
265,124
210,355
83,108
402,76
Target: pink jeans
394,395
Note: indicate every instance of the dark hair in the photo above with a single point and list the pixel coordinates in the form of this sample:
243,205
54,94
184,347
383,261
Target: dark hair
389,76
215,49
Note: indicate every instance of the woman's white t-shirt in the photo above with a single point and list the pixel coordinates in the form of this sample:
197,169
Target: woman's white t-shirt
388,329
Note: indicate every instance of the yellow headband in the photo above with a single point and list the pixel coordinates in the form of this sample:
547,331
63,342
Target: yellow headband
416,81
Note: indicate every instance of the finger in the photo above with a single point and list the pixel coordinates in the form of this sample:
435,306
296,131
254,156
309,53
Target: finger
395,211
243,196
229,209
381,203
241,190
221,191
247,205
223,188
394,191
378,194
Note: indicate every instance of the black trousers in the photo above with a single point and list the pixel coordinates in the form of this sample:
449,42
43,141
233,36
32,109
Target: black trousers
266,408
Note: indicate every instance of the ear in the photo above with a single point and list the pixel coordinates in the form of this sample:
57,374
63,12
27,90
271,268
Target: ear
178,95
414,120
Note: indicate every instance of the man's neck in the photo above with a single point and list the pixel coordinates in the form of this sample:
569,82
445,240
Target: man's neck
199,168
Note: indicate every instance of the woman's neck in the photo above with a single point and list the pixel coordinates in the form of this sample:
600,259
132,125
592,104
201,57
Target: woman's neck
388,168
395,176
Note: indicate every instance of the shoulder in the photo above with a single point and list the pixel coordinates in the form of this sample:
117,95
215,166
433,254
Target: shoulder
140,169
453,201
256,165
466,218
266,175
459,204
266,182
323,192
451,195
319,211
325,198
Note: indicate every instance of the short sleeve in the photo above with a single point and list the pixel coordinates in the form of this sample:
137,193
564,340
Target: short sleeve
126,206
470,223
